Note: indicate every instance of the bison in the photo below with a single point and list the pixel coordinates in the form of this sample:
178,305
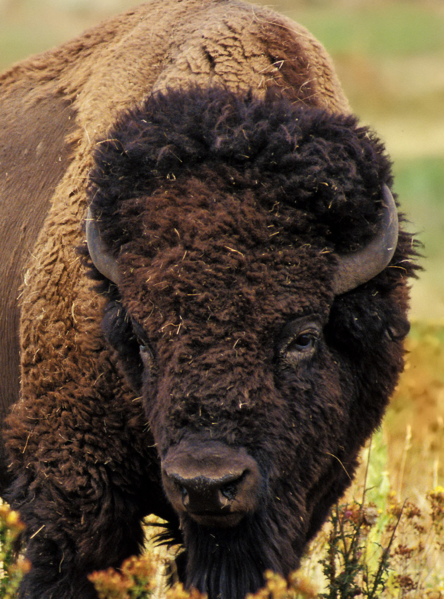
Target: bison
212,292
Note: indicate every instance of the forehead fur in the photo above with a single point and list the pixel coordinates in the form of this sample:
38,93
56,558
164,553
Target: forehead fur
319,167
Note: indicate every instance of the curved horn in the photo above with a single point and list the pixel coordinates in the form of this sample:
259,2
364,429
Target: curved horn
102,259
361,266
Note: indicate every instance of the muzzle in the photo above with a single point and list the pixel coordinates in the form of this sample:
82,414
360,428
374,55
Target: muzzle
215,484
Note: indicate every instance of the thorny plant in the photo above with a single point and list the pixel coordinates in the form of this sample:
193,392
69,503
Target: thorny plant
384,548
347,564
355,563
395,553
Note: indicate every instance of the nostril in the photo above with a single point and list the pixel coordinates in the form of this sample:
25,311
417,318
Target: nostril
180,490
184,494
203,493
229,490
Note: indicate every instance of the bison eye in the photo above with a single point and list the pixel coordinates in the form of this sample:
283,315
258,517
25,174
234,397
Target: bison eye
304,342
297,341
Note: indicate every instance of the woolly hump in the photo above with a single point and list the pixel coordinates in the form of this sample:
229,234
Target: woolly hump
318,161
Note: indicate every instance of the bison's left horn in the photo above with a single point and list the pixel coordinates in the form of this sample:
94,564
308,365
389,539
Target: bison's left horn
102,259
361,266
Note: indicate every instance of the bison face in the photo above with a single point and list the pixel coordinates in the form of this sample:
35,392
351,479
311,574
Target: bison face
249,403
243,397
260,378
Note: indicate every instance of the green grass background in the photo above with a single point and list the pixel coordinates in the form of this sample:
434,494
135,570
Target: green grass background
390,59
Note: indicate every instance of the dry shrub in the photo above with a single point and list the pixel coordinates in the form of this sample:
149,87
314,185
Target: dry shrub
394,552
136,579
12,569
387,553
414,425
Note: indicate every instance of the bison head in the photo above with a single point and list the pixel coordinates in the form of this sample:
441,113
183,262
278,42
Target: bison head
258,307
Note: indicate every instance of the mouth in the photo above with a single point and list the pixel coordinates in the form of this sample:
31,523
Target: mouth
216,519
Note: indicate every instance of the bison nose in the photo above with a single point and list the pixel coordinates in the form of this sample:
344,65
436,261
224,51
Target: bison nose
201,493
215,484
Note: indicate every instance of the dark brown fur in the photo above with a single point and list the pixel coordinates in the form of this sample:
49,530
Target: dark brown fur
224,210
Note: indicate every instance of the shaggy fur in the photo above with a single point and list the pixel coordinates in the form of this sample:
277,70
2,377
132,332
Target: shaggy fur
225,210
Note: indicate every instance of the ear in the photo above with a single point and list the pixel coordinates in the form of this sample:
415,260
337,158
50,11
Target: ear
117,330
364,322
34,155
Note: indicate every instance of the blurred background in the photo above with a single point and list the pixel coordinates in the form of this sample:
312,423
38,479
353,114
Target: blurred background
390,58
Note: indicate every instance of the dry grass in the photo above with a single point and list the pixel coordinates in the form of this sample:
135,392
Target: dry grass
414,425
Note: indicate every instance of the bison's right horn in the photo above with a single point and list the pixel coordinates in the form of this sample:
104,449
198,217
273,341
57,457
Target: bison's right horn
361,266
102,259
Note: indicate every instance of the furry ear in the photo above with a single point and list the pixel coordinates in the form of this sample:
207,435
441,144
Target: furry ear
361,323
118,331
398,330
